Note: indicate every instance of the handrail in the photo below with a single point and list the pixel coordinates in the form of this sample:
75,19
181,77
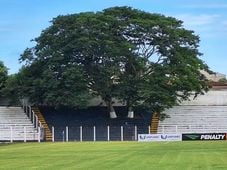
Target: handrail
189,128
31,114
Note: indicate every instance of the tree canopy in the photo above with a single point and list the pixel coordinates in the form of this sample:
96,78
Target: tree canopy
140,58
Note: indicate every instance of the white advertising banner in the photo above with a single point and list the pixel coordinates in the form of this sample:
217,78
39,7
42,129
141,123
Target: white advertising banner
159,137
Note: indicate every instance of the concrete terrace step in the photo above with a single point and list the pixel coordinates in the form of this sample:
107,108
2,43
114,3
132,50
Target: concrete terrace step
16,127
15,118
198,118
14,115
16,123
19,138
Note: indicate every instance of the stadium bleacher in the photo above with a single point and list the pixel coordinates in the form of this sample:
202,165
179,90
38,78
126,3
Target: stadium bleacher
15,125
206,114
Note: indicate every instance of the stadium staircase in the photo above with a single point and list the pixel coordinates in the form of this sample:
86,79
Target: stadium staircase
154,123
47,132
15,125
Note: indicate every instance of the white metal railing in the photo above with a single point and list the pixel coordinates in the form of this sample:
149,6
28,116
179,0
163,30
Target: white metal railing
24,134
93,133
33,117
192,129
20,133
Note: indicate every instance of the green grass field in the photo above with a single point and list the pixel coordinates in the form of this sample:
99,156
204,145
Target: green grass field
114,155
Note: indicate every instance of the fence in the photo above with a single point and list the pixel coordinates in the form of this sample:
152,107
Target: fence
98,133
79,133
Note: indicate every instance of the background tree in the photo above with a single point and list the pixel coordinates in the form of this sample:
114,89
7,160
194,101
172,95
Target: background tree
3,76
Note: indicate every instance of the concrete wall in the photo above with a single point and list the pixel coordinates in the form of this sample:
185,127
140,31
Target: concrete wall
211,98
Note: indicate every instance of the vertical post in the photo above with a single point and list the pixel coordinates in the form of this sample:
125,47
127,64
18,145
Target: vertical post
39,134
81,133
108,133
27,109
94,131
29,112
11,134
37,122
52,133
63,136
23,104
25,137
135,133
149,129
122,133
66,134
33,117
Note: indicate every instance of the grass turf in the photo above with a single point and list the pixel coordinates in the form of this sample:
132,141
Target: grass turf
115,155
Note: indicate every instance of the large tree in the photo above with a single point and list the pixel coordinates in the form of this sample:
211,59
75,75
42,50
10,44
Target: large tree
143,59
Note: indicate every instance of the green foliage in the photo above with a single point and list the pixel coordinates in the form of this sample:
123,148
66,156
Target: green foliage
44,86
143,59
3,76
11,91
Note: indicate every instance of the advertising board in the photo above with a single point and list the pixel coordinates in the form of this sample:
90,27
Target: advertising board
159,137
204,136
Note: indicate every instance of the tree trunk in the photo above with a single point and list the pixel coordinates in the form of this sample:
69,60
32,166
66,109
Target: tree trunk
130,112
112,112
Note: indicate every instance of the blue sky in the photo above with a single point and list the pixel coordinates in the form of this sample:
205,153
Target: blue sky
23,20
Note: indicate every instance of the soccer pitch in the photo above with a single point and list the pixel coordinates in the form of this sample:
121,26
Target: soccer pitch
115,155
